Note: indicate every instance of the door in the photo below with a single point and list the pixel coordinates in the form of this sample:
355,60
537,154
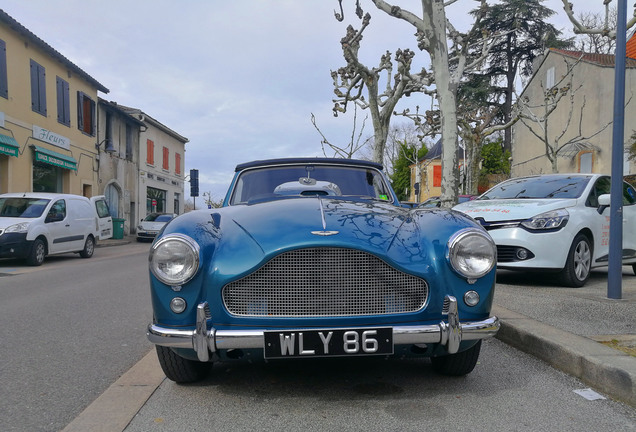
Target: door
58,224
104,219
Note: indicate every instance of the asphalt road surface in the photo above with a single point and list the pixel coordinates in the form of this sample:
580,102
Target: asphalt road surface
70,328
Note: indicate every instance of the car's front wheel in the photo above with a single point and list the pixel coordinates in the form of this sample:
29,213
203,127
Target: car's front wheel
579,262
179,369
458,364
37,254
89,248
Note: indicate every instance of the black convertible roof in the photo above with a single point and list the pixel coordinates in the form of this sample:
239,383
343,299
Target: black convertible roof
308,160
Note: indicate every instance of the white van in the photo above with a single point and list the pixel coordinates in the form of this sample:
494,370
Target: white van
34,225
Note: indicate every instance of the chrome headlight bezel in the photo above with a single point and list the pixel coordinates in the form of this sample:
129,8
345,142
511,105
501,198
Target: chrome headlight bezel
471,253
171,250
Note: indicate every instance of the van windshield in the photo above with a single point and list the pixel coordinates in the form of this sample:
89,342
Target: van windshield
16,207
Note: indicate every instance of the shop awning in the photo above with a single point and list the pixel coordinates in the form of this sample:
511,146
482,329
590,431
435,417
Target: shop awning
54,158
9,146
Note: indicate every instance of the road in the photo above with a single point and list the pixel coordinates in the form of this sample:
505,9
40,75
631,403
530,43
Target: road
70,328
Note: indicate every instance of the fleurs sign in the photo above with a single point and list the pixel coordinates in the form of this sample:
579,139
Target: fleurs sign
52,138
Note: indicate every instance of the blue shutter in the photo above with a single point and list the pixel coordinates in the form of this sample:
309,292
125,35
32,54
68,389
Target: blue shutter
4,88
63,106
80,111
38,88
34,87
59,88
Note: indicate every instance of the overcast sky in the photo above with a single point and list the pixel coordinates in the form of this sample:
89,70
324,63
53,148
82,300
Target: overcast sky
239,78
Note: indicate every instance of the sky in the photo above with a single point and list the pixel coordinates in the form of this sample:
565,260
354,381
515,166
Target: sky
239,78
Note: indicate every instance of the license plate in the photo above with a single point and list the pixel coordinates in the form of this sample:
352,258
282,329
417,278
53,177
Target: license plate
328,342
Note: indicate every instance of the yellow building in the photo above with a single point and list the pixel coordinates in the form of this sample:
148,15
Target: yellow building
48,117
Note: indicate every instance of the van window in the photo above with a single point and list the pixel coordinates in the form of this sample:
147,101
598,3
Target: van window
102,208
22,207
58,211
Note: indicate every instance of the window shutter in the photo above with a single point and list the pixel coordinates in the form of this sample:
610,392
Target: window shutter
150,152
34,86
4,88
166,156
437,176
177,163
80,111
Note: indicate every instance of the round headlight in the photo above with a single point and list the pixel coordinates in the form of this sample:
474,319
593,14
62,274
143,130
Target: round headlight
174,259
472,253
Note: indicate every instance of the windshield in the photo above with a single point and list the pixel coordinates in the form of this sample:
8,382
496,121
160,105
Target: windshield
547,186
158,217
22,207
269,183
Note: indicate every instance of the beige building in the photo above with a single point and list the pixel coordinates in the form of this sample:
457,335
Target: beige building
580,127
161,167
426,174
48,117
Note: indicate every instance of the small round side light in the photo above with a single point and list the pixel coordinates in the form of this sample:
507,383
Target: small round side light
471,298
178,305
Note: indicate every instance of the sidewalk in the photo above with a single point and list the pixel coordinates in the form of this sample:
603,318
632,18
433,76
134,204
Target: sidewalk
115,242
565,328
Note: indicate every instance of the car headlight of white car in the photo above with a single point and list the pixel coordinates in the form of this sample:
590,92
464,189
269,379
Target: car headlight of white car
174,259
551,220
18,228
472,253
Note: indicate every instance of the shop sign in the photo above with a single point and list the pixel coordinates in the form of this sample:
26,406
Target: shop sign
52,138
8,145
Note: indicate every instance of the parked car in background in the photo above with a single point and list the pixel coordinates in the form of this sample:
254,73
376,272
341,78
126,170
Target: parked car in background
150,226
34,225
557,222
436,202
315,257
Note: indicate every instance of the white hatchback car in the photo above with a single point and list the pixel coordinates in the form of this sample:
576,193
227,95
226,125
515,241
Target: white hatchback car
150,226
556,222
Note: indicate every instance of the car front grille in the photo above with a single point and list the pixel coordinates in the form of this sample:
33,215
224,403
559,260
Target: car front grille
324,282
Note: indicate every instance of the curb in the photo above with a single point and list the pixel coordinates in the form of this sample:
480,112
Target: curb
118,405
607,370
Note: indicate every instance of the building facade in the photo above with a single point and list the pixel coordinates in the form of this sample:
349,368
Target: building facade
48,124
57,135
161,167
118,161
580,127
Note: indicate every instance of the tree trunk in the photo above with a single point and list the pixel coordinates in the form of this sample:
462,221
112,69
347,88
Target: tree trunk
435,22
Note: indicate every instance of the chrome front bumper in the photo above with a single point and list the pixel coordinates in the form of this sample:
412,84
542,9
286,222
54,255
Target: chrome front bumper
204,340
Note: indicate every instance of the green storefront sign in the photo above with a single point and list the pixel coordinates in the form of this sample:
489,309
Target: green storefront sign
55,159
9,146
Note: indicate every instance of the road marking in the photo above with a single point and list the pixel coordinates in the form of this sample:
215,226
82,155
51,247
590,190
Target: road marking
113,410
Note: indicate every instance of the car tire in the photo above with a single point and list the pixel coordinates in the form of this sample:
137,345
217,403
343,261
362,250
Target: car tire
579,262
179,369
634,268
89,248
458,364
37,254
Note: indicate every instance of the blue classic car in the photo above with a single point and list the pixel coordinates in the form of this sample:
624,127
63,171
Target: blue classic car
313,257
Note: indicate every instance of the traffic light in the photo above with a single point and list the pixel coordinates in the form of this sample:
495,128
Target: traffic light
194,182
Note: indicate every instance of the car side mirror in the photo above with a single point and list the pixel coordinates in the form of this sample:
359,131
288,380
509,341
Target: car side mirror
55,217
603,203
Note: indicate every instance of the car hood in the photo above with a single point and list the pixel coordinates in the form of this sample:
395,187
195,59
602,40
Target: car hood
7,222
240,238
511,209
152,226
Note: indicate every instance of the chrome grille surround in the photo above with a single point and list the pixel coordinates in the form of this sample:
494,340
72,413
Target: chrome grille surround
325,282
